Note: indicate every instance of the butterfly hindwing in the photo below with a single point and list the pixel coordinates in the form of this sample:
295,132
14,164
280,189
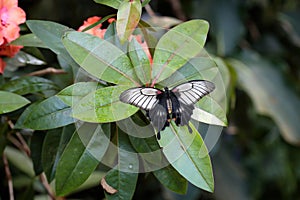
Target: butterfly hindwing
159,116
188,94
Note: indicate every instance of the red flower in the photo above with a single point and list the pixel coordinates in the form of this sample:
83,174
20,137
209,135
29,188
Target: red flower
2,66
11,16
9,51
97,31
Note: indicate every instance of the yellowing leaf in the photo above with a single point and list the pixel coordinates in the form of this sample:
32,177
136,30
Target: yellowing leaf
128,17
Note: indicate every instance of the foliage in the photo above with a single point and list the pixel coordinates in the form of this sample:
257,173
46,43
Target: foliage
67,126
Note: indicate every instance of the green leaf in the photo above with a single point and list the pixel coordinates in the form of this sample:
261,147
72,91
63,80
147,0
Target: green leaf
81,156
207,110
92,181
10,102
145,2
50,33
29,40
112,37
149,152
29,85
100,58
140,61
103,105
137,125
188,154
20,160
53,146
177,47
201,67
150,155
124,176
171,179
48,114
266,87
112,3
36,145
72,94
128,17
70,67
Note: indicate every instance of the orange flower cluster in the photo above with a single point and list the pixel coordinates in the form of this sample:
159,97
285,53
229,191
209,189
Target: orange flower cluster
97,31
11,16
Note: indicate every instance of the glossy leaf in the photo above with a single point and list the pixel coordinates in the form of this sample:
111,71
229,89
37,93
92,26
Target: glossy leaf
29,40
103,105
149,151
112,37
269,93
171,179
53,146
140,61
10,102
207,110
150,155
100,58
112,3
201,67
136,126
187,153
92,181
28,85
50,33
70,67
74,93
81,156
177,47
48,114
128,17
36,145
124,176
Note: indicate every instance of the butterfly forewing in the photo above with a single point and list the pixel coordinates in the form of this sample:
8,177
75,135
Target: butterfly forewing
144,98
191,92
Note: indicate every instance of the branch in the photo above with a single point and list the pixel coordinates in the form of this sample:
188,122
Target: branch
9,178
49,70
46,185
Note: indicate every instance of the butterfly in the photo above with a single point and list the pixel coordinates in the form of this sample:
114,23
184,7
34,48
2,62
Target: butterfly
163,106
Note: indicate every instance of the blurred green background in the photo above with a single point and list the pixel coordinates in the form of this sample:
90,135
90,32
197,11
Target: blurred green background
258,41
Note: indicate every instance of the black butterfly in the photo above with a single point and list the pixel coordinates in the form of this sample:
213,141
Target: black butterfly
163,106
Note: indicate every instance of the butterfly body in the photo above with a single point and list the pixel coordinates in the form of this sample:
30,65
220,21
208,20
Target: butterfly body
163,106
